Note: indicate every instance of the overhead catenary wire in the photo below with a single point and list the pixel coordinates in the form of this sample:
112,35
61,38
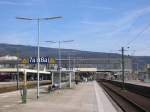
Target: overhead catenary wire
138,35
128,31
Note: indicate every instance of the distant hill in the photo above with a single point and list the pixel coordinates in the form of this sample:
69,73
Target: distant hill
28,51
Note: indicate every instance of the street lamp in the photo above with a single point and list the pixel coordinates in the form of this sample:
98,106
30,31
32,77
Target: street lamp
17,69
69,57
59,55
70,77
38,44
69,54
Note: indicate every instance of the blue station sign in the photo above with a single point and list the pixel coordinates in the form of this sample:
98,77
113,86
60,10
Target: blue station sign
42,60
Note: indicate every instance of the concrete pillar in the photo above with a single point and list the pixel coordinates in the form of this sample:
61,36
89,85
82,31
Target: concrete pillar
11,76
74,75
42,76
60,78
70,79
25,78
52,78
24,90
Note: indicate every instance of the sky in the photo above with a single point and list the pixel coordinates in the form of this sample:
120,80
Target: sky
94,25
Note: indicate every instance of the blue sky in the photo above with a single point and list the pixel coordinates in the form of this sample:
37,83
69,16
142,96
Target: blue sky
94,25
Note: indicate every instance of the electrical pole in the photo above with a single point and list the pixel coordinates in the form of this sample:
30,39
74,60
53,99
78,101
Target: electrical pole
70,75
38,58
123,84
17,69
69,66
74,62
38,45
59,54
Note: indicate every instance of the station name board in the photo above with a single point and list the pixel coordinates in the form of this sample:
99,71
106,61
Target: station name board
34,60
41,60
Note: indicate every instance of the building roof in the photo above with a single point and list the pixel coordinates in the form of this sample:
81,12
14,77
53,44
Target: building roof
8,57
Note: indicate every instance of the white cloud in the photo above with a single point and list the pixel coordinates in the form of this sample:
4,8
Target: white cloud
99,7
17,2
86,22
17,38
131,16
119,31
7,2
124,22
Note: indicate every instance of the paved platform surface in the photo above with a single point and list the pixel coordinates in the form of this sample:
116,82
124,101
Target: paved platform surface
7,84
85,97
138,82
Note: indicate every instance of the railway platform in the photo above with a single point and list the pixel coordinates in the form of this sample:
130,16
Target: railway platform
85,97
138,82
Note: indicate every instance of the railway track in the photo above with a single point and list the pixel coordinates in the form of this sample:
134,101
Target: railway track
128,101
138,89
13,87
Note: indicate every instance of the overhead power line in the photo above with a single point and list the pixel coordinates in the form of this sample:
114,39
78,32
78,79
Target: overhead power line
138,35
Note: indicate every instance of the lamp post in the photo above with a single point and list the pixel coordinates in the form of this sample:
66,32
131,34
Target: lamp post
38,44
59,55
17,69
69,62
73,59
123,67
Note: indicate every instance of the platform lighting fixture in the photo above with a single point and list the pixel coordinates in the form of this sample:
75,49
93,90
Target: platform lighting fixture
38,44
59,55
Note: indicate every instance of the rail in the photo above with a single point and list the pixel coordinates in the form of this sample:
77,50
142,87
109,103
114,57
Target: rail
128,101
